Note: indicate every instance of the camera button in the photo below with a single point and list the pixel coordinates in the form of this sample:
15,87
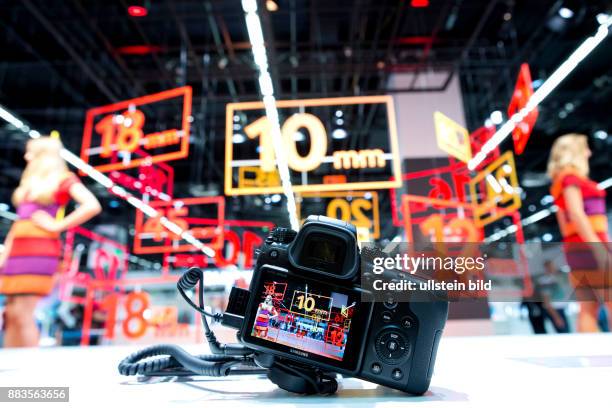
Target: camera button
387,317
390,303
397,374
406,322
376,368
273,254
392,346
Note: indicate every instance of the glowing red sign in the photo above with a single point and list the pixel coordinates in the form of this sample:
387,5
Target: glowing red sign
129,315
242,237
435,226
202,217
113,133
154,180
478,138
89,256
522,92
442,183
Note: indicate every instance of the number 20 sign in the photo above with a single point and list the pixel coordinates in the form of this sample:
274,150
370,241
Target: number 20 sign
357,207
320,137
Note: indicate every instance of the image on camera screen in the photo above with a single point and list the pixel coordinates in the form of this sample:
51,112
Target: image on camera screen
304,318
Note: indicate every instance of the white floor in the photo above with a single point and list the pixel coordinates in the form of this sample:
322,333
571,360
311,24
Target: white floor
497,371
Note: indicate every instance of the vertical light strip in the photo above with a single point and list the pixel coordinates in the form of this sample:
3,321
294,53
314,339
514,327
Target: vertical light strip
117,190
543,91
253,23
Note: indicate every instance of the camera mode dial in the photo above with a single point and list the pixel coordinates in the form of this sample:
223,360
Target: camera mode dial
281,235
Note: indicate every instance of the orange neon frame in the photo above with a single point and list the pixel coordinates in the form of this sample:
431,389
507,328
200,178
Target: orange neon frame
488,211
453,169
185,92
343,101
160,249
342,194
93,286
407,198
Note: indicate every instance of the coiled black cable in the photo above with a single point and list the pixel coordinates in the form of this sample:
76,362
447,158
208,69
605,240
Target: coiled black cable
226,358
188,281
208,365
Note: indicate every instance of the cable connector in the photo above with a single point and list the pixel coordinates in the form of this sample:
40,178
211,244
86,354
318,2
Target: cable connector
236,308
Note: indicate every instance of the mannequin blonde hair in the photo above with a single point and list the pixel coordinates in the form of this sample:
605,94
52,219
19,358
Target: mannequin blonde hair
44,172
567,152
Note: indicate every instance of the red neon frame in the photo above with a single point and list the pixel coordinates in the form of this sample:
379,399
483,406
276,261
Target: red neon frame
478,138
127,181
160,249
409,222
227,223
69,279
523,91
164,167
396,210
185,92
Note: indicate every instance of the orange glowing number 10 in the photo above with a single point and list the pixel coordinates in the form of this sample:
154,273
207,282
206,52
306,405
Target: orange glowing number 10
125,130
262,128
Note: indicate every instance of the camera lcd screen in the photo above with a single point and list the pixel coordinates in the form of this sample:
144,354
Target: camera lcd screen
306,318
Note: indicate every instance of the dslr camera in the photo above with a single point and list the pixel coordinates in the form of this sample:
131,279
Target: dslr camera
305,305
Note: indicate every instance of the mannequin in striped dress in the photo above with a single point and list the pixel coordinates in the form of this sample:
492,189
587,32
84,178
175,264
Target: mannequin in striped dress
32,248
584,226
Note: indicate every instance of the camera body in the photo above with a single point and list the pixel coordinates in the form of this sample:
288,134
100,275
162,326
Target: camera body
306,305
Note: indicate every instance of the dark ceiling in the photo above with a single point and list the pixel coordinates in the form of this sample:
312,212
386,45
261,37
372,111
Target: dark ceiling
59,58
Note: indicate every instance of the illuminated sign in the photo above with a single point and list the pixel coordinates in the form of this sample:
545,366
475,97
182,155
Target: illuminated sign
149,180
89,256
113,133
441,183
435,227
252,176
202,217
453,138
522,93
495,190
456,234
315,144
129,315
478,138
240,240
360,208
